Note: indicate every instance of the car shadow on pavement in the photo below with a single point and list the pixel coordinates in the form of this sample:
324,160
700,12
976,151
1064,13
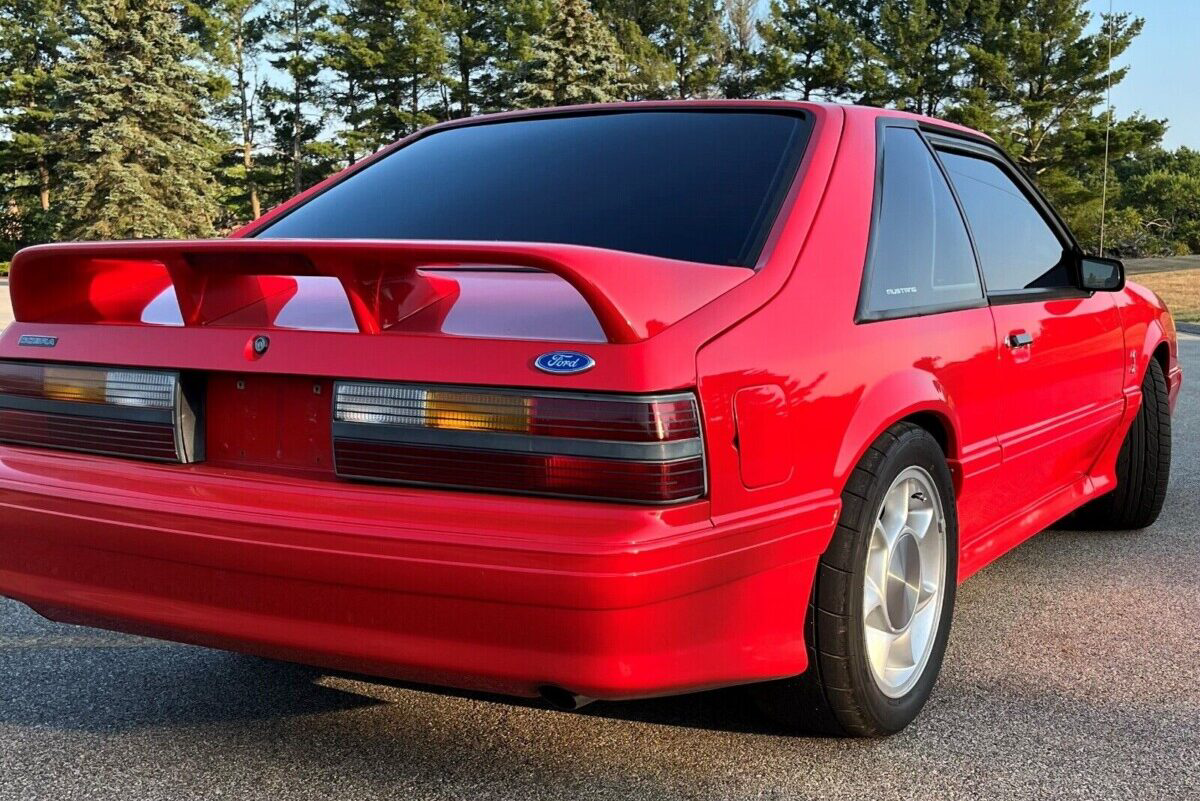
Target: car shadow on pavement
76,678
125,683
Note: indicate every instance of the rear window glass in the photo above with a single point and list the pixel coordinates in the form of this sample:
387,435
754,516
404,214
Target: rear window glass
695,186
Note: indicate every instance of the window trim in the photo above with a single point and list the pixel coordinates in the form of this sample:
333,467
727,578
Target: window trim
863,312
939,139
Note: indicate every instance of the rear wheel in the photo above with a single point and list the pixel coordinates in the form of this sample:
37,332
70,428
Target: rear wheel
1143,465
882,600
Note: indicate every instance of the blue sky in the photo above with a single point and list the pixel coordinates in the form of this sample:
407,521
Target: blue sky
1164,66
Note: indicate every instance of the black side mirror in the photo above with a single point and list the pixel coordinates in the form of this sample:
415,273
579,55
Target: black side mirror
1098,274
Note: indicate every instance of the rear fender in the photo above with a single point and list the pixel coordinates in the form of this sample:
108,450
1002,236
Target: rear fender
902,394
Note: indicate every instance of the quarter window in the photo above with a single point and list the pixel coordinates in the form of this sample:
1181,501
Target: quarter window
921,255
1017,248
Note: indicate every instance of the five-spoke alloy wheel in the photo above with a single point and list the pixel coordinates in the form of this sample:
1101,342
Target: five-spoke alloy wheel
902,584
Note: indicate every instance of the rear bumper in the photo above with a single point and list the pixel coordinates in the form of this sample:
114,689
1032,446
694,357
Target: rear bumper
474,591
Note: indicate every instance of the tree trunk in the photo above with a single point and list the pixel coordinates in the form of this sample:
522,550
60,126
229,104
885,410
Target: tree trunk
464,77
297,178
44,181
247,127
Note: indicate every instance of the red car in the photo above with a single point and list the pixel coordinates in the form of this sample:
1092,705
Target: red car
603,402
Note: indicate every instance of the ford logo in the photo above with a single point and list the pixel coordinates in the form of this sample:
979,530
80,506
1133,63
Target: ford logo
564,362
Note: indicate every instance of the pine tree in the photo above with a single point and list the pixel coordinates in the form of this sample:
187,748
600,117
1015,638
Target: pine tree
1038,80
740,74
142,153
641,27
695,44
576,60
390,58
32,45
809,49
1044,74
231,32
515,23
470,27
296,112
920,48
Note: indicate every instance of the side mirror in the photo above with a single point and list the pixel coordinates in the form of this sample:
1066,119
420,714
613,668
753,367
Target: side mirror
1098,274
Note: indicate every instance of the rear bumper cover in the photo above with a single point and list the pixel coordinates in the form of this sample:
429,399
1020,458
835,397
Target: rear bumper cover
482,592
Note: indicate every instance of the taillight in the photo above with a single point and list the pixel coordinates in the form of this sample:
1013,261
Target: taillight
629,448
110,410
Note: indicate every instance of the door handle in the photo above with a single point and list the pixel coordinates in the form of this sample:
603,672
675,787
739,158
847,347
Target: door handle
1019,339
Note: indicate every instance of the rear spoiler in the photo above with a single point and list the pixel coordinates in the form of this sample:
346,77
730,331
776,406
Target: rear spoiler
633,296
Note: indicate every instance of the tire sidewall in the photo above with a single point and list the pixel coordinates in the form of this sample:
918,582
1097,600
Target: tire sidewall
893,714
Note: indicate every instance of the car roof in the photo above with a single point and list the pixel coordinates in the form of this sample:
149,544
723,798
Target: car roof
858,113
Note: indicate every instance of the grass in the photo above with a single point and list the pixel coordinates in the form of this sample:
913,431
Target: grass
3,268
1179,288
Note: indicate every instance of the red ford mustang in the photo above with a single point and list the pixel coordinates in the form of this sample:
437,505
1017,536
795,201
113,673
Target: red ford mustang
607,402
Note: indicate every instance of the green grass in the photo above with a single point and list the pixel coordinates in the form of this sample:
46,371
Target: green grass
3,268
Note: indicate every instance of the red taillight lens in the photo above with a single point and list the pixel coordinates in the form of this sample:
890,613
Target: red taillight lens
111,410
642,449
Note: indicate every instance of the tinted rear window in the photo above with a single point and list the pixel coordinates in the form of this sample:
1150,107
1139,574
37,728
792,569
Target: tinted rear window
696,186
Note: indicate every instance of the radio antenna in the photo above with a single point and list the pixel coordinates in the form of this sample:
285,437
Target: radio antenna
1108,115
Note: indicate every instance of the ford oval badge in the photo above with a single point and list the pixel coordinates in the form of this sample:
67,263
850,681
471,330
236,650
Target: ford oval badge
564,362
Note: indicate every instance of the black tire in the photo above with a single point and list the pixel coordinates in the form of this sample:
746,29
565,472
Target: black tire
1143,465
837,694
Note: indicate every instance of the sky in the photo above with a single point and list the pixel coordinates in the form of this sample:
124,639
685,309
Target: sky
1164,66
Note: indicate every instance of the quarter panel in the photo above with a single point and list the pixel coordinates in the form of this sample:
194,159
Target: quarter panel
844,383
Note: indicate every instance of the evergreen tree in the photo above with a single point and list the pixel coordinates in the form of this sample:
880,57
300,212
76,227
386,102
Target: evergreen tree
694,42
1038,82
32,44
809,48
576,60
470,27
297,112
740,74
390,57
142,153
232,33
515,23
1043,74
920,49
641,27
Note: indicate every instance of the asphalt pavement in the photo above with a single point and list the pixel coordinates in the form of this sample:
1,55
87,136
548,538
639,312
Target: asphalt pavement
1072,672
1161,264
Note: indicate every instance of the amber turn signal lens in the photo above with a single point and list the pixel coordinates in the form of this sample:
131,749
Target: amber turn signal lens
74,384
470,411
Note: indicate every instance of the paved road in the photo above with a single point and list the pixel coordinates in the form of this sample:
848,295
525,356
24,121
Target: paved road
1155,265
5,308
1072,673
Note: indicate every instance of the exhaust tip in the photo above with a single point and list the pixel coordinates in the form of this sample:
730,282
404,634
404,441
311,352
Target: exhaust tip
559,698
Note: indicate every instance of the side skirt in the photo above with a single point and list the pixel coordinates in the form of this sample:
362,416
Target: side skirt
1011,531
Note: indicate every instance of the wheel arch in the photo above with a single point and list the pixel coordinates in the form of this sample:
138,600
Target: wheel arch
914,396
1162,354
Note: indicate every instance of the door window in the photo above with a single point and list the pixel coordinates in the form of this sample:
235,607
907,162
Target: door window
1017,248
921,258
